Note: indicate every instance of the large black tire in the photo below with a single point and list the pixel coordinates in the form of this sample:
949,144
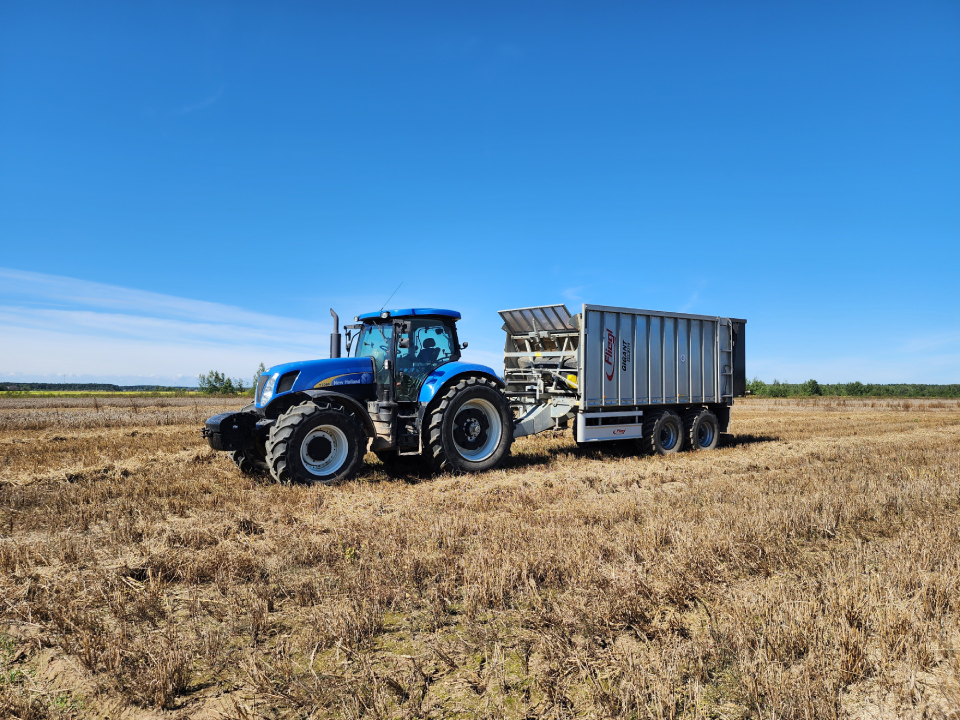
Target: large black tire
249,462
471,429
702,430
662,433
315,443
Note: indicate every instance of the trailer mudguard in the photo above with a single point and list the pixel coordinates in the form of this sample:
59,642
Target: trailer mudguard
450,372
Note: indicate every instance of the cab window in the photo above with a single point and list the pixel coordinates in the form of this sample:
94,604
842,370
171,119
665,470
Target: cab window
374,342
430,343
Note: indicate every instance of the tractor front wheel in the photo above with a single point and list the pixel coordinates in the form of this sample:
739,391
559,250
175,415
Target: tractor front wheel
471,430
249,462
315,443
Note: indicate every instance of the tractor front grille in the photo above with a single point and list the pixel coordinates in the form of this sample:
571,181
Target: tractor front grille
261,381
287,381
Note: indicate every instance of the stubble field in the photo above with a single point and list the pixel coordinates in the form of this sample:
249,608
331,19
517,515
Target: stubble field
809,568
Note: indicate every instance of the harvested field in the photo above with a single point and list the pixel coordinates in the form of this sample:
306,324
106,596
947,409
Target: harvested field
809,568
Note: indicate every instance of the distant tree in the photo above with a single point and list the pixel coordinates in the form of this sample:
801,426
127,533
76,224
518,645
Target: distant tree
778,389
811,387
257,374
217,383
855,388
757,386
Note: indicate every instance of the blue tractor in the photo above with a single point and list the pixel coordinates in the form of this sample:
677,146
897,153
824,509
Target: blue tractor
401,391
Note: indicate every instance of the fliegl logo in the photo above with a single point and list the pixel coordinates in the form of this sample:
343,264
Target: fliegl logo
608,354
620,431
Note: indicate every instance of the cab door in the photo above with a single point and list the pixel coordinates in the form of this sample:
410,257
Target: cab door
423,345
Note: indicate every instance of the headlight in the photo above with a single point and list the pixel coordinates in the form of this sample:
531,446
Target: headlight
268,389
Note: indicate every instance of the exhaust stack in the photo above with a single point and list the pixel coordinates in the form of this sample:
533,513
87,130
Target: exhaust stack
335,336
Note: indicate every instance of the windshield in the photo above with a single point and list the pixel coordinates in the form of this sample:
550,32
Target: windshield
375,342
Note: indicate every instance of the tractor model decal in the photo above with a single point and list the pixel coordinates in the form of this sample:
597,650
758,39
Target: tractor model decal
346,379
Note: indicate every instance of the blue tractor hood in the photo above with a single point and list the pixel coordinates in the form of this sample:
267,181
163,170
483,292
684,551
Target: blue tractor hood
320,374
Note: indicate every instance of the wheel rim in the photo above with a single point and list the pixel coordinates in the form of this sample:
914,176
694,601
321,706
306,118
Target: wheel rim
705,433
668,436
477,429
324,450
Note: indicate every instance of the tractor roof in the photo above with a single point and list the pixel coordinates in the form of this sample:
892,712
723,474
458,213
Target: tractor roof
407,312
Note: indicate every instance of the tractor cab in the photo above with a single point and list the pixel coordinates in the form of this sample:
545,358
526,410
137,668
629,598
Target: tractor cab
406,347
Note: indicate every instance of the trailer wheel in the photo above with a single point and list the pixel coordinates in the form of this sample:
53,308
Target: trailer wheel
249,462
702,430
471,430
315,443
662,433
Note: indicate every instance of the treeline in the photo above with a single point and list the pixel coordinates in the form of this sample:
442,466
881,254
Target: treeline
218,383
812,388
89,387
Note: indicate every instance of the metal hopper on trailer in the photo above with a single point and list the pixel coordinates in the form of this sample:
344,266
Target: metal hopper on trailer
667,379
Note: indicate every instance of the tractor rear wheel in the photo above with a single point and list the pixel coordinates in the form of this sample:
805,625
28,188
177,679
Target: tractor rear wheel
315,443
662,433
471,430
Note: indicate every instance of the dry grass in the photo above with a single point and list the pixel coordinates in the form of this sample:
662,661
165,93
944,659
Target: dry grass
810,568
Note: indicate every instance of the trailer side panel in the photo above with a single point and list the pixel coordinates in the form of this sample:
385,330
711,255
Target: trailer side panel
641,357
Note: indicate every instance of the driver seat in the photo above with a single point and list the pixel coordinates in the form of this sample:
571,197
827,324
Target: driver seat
429,352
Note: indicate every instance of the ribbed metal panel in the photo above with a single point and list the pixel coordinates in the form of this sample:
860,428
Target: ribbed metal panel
642,357
550,318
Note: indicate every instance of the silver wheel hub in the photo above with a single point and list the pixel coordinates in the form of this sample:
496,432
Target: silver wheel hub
472,429
477,429
324,450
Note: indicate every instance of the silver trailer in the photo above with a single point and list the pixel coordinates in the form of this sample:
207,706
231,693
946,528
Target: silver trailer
666,379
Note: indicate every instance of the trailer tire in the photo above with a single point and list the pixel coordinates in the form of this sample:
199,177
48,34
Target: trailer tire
471,429
662,433
249,462
315,443
702,430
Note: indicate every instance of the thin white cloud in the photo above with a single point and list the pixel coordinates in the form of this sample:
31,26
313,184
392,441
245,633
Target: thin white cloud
934,341
879,368
52,325
56,289
205,103
575,294
691,304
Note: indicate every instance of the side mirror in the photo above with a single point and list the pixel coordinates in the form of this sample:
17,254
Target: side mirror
464,346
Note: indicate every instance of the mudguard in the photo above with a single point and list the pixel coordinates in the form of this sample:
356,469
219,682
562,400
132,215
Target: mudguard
348,402
445,374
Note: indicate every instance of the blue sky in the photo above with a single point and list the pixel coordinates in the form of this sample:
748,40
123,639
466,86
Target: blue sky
187,186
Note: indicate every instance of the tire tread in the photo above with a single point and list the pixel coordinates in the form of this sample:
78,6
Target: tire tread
434,453
284,429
